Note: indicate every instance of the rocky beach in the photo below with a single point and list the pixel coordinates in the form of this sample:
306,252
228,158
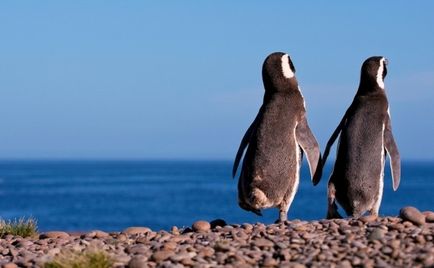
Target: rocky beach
405,241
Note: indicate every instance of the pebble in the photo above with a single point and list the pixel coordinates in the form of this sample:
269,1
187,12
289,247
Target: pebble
54,234
357,244
247,227
162,255
387,250
137,249
368,218
206,252
262,242
9,265
429,216
270,262
136,230
53,252
121,238
97,234
123,258
344,264
376,234
170,245
24,244
201,226
222,246
138,262
175,230
413,215
329,243
395,243
182,256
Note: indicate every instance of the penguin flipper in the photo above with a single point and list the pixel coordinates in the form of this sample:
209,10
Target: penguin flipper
392,151
335,135
332,140
308,143
244,142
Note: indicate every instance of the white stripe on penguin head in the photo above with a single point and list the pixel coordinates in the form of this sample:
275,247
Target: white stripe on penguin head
286,69
380,81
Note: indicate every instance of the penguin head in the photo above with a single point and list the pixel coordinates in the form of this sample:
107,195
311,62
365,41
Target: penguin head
278,73
374,70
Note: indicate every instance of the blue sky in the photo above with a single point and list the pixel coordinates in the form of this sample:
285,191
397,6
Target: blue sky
132,79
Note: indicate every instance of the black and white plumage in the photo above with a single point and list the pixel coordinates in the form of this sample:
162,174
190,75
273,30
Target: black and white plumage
365,130
271,167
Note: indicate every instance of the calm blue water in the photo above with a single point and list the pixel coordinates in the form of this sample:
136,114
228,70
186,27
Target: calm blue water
112,195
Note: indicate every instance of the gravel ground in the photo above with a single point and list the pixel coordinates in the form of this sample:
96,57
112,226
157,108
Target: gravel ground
363,242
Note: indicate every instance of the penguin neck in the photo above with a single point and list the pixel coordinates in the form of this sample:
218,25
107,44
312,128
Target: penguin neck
370,85
281,86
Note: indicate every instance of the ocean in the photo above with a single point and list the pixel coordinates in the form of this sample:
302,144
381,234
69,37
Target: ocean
113,195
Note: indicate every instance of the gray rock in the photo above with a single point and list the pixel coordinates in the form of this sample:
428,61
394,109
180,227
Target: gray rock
376,234
387,250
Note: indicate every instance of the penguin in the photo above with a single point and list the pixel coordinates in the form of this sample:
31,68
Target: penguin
365,130
275,140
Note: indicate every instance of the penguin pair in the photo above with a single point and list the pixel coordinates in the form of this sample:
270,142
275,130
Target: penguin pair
280,133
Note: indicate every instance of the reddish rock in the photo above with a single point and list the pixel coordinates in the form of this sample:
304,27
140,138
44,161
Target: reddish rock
170,245
54,234
413,215
136,230
97,234
368,218
10,265
138,261
429,216
162,255
201,226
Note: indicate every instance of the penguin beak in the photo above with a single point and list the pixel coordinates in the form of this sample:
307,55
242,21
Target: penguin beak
386,61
